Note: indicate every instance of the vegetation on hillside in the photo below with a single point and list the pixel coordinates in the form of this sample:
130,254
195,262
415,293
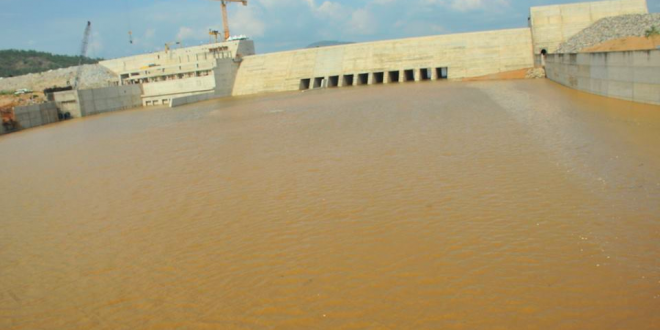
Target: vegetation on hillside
653,31
19,62
328,43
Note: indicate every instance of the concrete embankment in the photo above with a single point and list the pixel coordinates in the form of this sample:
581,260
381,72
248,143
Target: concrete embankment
34,115
632,76
184,100
89,102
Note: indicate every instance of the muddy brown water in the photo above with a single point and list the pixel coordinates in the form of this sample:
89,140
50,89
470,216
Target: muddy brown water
486,205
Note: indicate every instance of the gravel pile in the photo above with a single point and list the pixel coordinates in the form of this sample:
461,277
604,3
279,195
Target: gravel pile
93,76
608,29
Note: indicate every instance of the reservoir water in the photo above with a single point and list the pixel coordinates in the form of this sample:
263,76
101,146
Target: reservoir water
485,205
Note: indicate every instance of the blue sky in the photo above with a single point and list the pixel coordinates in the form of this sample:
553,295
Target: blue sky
57,25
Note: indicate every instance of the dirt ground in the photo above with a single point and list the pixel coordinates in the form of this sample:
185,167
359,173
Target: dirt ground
624,44
25,99
508,75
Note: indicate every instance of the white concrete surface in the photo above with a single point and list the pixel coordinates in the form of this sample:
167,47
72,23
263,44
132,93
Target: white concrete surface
465,55
36,115
89,102
177,56
632,76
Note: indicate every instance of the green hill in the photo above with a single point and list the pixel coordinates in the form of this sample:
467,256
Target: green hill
19,62
328,43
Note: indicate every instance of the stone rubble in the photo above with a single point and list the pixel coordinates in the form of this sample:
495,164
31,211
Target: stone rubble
535,73
610,28
93,76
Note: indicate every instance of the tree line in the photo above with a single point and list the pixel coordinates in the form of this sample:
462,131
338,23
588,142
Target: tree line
14,62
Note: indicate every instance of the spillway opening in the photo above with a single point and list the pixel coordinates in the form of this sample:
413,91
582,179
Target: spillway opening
394,76
379,77
318,82
363,79
442,73
409,75
333,81
425,74
304,84
348,80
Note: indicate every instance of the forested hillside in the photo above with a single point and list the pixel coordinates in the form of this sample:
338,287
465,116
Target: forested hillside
19,62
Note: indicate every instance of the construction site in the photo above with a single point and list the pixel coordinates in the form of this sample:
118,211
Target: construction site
505,179
228,66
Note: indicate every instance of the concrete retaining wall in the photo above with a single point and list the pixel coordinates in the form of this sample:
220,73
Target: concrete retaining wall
89,102
553,25
36,115
180,101
464,55
109,99
67,101
633,76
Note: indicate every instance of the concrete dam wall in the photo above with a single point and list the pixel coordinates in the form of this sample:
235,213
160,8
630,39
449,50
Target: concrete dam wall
446,56
632,76
456,56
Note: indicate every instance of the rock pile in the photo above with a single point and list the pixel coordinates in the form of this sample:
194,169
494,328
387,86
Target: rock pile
610,28
535,73
93,76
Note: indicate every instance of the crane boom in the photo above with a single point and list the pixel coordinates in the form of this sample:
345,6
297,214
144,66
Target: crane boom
83,53
225,20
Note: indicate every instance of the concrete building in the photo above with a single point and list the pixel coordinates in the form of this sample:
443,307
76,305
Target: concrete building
182,72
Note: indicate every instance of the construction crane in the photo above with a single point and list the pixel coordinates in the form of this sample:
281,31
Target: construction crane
168,45
83,53
214,34
225,21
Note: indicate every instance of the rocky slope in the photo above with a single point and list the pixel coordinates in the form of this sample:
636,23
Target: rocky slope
608,29
93,76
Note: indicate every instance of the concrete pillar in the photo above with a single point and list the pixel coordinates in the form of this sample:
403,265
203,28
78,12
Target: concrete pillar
386,77
326,81
340,83
370,79
418,75
434,74
402,76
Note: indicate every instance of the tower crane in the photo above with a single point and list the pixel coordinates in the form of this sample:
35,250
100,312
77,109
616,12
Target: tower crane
225,21
168,45
83,53
214,33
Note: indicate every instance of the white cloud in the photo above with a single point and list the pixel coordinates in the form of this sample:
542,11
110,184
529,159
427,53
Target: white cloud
150,33
185,33
332,10
465,5
468,5
246,21
383,2
363,22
